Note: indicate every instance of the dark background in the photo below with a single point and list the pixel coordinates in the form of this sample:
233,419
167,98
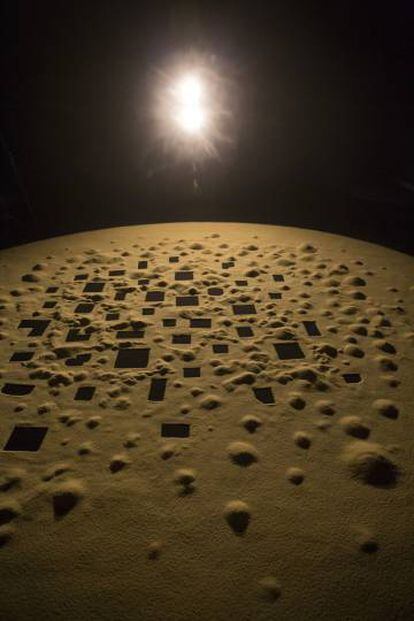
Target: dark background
325,129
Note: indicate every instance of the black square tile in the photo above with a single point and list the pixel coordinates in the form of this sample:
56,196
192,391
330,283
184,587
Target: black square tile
264,395
181,339
155,296
169,323
142,265
192,371
74,335
132,358
352,378
50,304
288,350
311,328
244,331
94,287
220,348
275,295
186,300
84,307
17,390
148,311
175,430
85,393
278,277
25,438
37,326
174,259
244,309
200,322
157,389
227,264
21,356
184,275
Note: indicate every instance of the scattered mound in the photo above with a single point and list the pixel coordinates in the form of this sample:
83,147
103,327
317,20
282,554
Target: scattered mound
242,453
370,464
237,515
66,496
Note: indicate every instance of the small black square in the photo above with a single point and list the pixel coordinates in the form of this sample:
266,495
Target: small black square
192,371
275,295
311,328
157,389
184,275
181,339
84,307
175,430
75,335
264,395
50,304
155,296
278,277
244,331
22,356
17,390
186,300
351,378
244,309
173,259
169,323
220,348
85,393
25,438
148,311
142,265
132,358
200,322
287,351
227,264
94,287
81,276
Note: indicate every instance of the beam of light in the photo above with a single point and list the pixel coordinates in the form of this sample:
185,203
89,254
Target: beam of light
190,114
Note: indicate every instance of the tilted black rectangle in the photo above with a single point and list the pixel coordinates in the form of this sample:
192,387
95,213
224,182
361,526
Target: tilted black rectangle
157,389
25,438
129,358
175,430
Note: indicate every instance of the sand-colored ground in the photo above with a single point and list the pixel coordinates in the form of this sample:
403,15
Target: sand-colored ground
280,360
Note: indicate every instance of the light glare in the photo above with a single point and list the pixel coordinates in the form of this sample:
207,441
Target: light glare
190,114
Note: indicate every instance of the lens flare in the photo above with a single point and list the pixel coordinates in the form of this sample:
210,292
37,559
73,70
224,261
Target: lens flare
189,113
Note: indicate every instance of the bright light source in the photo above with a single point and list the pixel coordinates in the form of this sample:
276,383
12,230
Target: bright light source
189,112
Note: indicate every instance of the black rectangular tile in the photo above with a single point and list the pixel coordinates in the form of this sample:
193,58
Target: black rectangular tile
94,287
264,395
25,438
129,358
175,430
244,331
184,275
17,390
142,265
173,259
155,296
200,322
50,304
116,272
81,277
112,316
191,371
351,378
278,277
244,309
181,339
148,311
186,300
37,326
85,393
157,389
84,307
241,283
74,335
169,323
288,350
220,348
227,264
130,334
311,328
275,295
21,356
